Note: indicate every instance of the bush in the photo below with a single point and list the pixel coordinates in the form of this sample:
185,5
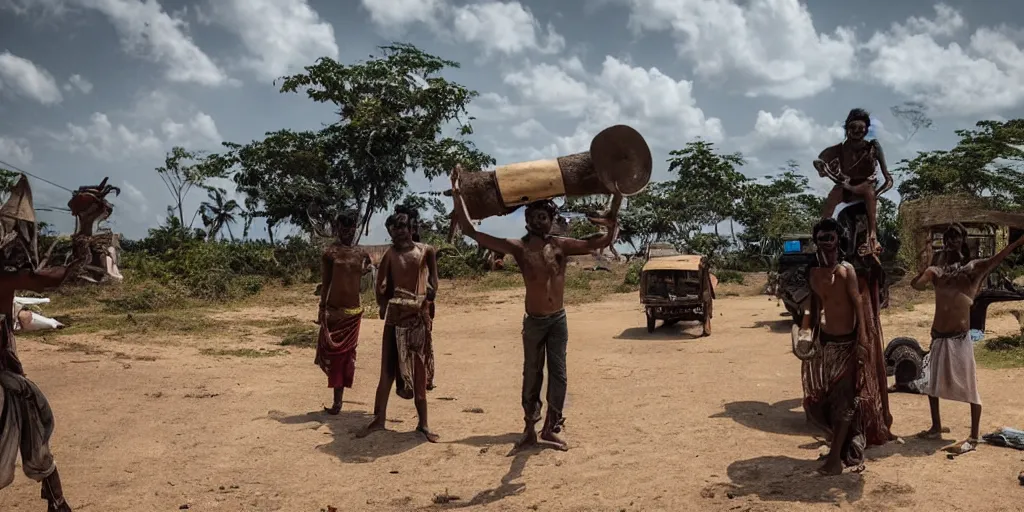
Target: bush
633,273
729,276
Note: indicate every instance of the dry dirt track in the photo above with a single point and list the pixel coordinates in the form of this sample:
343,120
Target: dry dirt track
662,422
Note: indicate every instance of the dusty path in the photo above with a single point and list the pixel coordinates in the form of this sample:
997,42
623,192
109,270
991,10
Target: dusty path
655,422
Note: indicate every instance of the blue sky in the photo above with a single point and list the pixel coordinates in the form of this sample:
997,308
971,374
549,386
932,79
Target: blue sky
94,88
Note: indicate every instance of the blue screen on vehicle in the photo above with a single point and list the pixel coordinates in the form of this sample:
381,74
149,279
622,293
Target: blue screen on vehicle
791,246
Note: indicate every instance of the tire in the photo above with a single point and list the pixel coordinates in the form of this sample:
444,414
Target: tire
650,323
898,346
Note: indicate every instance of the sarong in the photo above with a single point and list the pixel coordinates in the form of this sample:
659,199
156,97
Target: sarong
874,387
952,374
336,345
408,323
831,393
26,425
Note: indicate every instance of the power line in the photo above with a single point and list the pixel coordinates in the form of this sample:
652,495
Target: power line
44,180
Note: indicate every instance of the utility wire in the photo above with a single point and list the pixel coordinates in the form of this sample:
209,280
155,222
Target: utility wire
44,180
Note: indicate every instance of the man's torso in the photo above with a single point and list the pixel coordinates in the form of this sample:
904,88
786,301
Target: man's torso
408,283
542,262
831,287
955,290
856,160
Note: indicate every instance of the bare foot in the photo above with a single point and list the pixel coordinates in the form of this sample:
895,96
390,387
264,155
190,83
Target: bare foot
428,434
529,439
963,447
831,469
375,425
553,438
933,433
333,410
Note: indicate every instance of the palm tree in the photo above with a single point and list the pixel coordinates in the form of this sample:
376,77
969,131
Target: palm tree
218,214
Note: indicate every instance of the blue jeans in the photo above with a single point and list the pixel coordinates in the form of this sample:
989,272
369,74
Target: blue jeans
545,336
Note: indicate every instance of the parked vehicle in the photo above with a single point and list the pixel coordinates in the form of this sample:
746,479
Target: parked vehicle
677,288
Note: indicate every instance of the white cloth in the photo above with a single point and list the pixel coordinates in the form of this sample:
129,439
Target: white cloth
951,370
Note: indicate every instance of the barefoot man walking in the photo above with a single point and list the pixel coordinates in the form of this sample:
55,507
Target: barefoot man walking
541,258
343,267
837,387
406,286
951,367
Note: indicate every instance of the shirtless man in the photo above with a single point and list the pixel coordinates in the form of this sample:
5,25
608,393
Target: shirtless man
951,365
340,314
855,159
832,380
406,286
542,259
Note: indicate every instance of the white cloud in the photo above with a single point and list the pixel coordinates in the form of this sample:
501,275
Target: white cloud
398,14
790,130
15,151
107,140
528,129
22,77
658,106
772,44
77,82
148,30
504,27
497,27
281,36
978,79
135,198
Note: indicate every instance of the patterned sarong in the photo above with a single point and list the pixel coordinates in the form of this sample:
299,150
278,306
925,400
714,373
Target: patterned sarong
411,324
336,345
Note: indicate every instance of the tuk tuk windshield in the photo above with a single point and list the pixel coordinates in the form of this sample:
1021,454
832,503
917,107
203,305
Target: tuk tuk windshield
672,283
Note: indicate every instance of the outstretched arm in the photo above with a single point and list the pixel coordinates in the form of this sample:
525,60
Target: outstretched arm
577,247
461,216
986,266
50,277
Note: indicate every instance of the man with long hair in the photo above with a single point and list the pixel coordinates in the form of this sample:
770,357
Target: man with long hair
340,312
855,160
951,372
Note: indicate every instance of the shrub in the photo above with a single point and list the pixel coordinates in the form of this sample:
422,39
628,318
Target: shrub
633,273
729,276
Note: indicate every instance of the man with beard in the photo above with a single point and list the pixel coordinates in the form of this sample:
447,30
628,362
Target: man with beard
405,288
951,373
542,261
340,313
855,159
835,378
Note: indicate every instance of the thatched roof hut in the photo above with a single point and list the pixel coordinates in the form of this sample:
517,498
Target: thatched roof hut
921,217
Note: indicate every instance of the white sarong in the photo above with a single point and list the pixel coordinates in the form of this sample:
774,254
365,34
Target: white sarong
951,372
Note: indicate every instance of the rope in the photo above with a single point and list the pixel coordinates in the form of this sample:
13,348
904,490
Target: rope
44,180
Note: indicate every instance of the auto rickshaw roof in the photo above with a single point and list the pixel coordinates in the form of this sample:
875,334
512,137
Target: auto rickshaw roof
679,262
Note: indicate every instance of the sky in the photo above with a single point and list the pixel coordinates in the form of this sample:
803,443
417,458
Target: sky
95,88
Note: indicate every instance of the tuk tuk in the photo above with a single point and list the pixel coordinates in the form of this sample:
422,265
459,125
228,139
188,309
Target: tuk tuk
677,288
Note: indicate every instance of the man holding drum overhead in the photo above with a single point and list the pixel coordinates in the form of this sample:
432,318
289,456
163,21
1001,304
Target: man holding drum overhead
542,260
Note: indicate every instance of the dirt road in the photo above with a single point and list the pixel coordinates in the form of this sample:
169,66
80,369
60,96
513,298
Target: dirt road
655,422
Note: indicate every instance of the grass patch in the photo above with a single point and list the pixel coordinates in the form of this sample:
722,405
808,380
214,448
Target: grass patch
241,352
1001,352
296,335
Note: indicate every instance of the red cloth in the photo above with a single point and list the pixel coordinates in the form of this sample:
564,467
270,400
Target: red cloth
336,347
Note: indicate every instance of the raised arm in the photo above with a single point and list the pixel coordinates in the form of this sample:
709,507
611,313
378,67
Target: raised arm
50,277
578,247
984,267
887,183
461,216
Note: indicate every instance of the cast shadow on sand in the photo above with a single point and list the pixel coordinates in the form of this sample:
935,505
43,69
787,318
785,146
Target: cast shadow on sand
780,326
344,445
685,331
785,417
507,485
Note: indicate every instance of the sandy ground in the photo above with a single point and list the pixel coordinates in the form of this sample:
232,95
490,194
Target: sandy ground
655,422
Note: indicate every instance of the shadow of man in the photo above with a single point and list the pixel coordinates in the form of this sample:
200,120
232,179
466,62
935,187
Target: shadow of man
344,445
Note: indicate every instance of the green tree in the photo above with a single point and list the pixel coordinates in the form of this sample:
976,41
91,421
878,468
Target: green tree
218,214
986,162
776,206
182,171
707,188
647,218
392,112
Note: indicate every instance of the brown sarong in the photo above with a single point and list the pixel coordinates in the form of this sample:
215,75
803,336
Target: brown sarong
336,346
408,322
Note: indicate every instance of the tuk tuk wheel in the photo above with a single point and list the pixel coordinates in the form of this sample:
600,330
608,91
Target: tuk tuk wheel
650,322
709,313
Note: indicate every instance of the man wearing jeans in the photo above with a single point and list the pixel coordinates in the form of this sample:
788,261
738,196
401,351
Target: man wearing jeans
542,260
